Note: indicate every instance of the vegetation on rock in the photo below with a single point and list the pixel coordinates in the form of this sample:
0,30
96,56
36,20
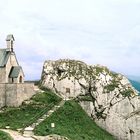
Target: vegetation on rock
110,87
127,92
84,98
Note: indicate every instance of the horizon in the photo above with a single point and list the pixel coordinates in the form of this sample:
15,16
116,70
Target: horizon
95,32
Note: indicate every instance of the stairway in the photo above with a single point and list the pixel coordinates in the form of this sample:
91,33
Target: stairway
28,131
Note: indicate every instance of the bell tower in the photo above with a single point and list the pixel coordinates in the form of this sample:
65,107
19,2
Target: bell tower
9,40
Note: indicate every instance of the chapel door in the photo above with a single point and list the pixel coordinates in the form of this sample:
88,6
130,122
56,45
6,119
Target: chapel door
20,79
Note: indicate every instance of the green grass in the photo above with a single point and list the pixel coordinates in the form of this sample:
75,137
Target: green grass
28,113
71,121
5,136
46,98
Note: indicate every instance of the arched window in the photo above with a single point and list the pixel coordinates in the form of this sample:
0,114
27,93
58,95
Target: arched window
20,79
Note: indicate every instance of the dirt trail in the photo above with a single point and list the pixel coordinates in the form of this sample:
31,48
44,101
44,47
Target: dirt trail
15,135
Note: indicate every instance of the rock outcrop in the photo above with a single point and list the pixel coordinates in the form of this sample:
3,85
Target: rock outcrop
106,96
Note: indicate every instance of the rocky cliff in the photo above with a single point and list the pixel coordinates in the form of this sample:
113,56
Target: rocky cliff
107,97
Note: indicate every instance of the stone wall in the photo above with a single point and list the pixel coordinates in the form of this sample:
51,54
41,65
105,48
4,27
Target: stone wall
11,62
24,92
2,95
2,75
15,94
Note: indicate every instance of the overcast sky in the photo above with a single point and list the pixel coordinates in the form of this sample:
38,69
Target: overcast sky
105,32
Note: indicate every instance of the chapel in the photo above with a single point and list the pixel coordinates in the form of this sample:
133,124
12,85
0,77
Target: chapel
10,70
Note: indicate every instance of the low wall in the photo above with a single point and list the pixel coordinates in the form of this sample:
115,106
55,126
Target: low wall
2,95
15,94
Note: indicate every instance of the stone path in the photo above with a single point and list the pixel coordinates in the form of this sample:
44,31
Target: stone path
16,135
28,131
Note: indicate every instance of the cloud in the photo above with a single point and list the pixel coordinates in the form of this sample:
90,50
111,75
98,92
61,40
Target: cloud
104,32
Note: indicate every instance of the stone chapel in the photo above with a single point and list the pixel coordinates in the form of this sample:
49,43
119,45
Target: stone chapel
13,89
10,71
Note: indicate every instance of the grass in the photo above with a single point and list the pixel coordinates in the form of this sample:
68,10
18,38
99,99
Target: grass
27,113
72,121
46,98
5,136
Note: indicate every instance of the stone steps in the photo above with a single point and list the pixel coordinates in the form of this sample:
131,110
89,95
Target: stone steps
28,131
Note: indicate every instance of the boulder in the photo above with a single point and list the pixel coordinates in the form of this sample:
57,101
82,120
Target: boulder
106,96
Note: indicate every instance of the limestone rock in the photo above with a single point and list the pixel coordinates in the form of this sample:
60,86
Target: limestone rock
107,97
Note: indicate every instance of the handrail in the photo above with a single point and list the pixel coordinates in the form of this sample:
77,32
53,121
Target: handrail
35,118
38,115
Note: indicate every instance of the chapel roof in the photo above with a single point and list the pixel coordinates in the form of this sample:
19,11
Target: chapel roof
10,37
15,70
4,55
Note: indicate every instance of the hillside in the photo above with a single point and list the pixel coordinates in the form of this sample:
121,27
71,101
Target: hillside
28,112
72,121
107,97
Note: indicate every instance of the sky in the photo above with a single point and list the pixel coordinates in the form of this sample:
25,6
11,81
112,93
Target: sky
105,32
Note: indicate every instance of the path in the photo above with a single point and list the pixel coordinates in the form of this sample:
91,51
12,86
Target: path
28,131
16,135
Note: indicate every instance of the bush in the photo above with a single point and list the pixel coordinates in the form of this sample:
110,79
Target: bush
127,92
